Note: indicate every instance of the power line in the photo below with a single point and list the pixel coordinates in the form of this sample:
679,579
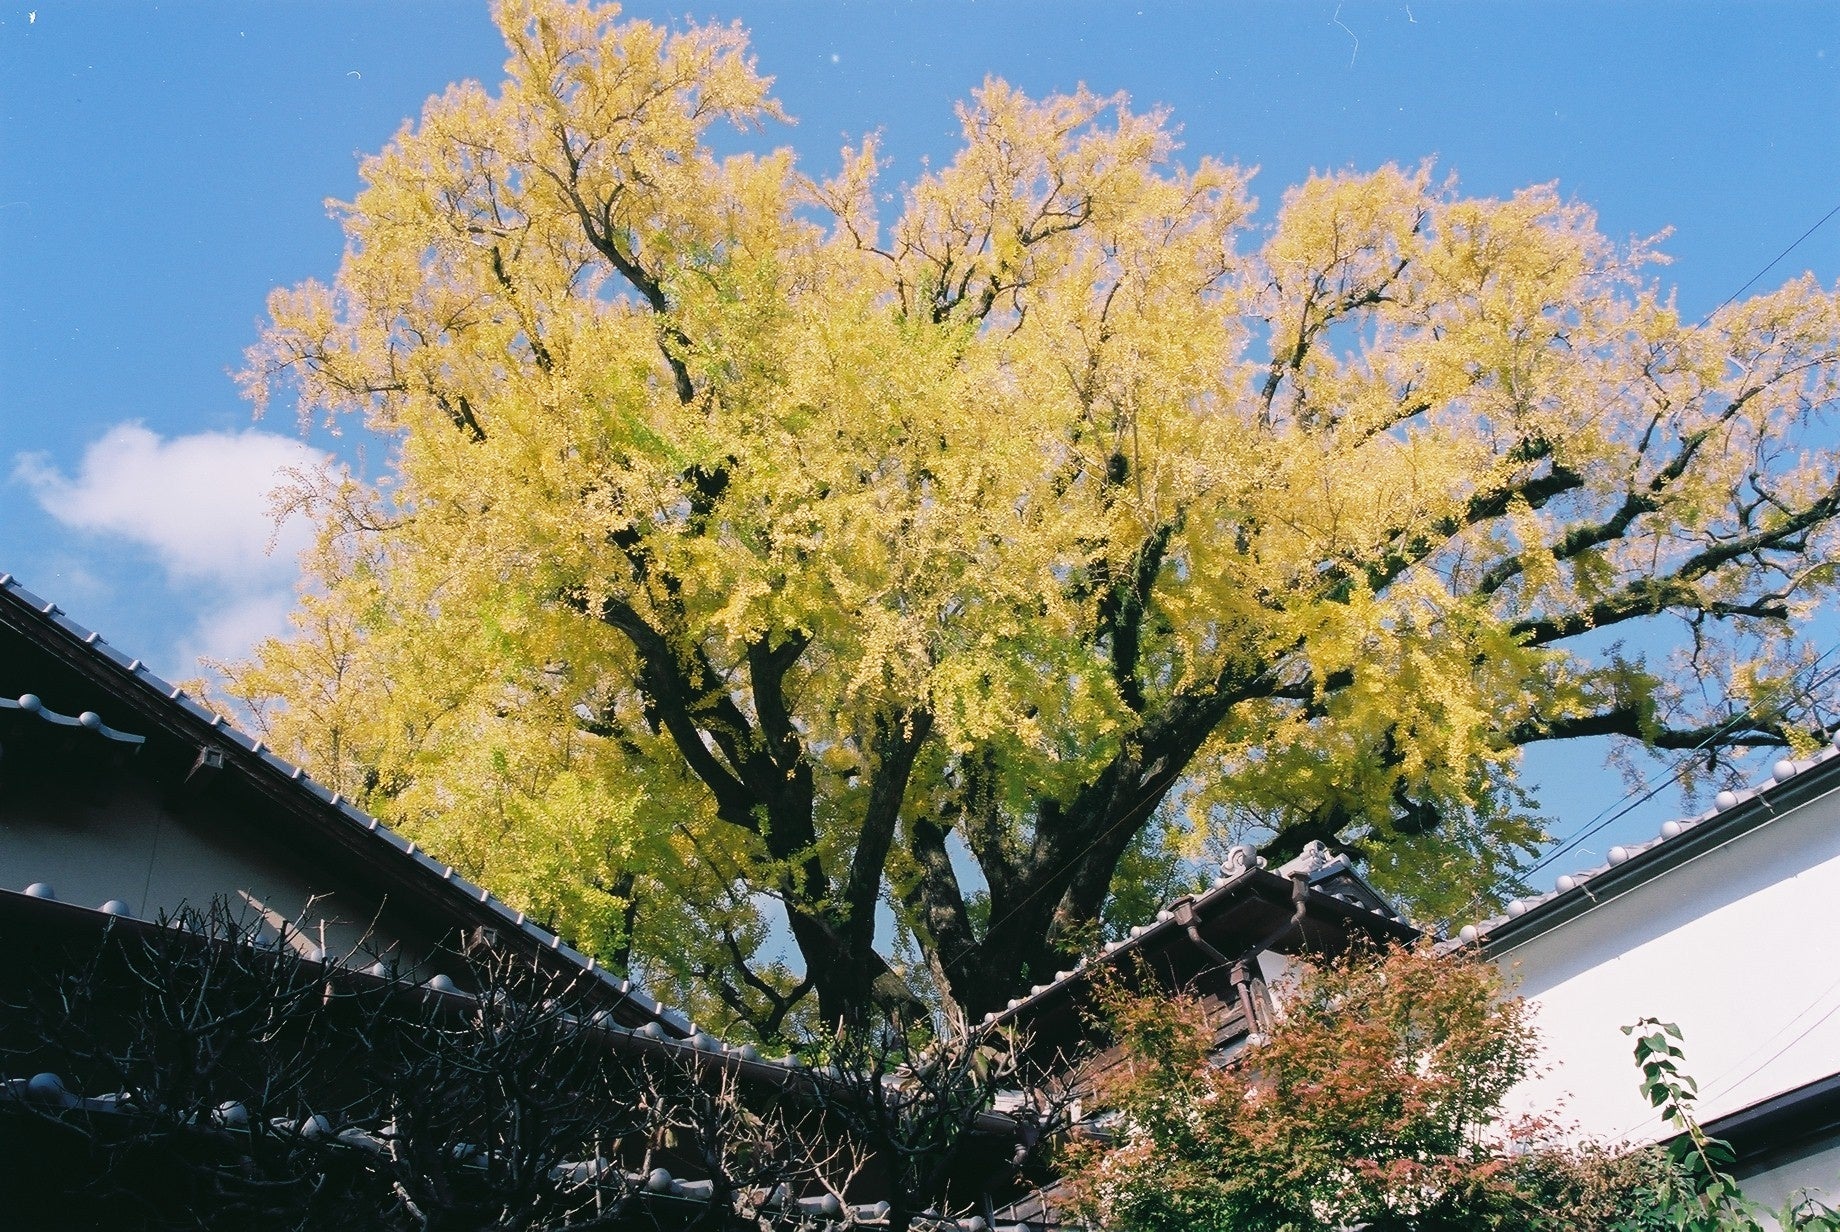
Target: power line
1601,821
1762,1065
1066,868
1624,805
1771,265
1722,1083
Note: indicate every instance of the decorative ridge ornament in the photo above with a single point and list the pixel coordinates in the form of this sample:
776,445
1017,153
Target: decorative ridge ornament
89,720
1241,859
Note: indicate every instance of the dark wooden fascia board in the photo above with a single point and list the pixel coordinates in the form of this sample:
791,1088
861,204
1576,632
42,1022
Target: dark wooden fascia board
1781,1122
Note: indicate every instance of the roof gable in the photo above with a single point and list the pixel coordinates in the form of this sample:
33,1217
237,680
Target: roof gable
152,719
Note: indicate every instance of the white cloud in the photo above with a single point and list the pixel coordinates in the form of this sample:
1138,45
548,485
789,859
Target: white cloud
200,502
201,507
227,632
76,581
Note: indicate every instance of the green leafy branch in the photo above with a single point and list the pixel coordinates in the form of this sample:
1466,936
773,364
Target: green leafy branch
1701,1195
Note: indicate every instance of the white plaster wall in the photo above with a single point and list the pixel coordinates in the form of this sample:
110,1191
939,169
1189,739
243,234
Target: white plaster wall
128,845
1279,972
1740,947
1794,1176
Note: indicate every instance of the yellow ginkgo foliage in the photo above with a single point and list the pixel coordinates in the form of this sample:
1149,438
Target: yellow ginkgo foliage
758,547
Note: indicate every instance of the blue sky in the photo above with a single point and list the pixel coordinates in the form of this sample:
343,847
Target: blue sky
162,166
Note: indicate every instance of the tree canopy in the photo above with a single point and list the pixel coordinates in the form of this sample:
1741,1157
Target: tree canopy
939,566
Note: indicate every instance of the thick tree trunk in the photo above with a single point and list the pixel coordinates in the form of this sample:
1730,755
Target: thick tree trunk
1062,881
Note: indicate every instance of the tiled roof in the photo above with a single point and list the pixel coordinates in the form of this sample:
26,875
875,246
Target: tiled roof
667,1029
1329,875
266,761
1791,781
53,1093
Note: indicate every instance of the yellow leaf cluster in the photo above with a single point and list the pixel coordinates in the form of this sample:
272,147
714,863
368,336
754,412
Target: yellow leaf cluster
704,471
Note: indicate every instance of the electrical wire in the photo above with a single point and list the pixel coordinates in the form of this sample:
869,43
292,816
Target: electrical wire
1730,299
1072,862
1719,1082
1596,824
1625,805
1770,1060
1651,1117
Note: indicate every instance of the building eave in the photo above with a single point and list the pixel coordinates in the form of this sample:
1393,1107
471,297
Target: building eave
1325,912
1782,1121
1793,784
410,875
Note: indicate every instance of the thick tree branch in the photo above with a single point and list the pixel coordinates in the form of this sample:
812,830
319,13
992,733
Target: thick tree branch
678,699
538,352
1122,606
895,740
1291,360
602,234
767,668
1647,499
1676,590
1536,492
1067,871
461,412
1636,722
955,952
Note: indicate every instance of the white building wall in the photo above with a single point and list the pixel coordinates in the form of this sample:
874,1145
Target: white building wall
1792,1175
1740,947
129,845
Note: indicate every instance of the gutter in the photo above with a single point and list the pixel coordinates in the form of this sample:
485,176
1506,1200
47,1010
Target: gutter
1248,988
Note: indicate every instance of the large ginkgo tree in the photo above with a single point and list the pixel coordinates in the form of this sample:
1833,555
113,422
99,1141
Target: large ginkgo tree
931,568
